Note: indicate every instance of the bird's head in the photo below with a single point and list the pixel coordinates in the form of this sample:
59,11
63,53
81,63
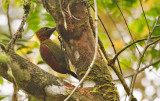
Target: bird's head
44,33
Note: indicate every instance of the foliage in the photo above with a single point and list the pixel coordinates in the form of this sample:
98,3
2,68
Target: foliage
1,80
1,98
4,4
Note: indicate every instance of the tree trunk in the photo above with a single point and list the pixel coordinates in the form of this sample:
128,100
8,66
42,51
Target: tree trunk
72,22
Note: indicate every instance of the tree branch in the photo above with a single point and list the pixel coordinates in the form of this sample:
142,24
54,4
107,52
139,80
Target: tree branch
118,53
9,25
131,75
18,34
37,82
127,25
149,66
141,57
144,15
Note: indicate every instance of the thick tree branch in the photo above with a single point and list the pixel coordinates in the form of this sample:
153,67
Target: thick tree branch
39,83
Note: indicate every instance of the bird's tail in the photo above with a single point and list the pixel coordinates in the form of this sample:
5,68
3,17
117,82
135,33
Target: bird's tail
73,74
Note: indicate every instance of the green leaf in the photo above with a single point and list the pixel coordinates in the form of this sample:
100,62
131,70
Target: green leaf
18,2
40,62
4,4
1,80
157,31
29,52
155,53
6,35
126,62
21,47
156,66
49,19
33,18
1,98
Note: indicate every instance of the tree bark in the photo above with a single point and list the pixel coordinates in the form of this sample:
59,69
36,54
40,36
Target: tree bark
39,83
72,22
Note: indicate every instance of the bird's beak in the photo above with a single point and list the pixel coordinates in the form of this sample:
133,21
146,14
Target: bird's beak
52,30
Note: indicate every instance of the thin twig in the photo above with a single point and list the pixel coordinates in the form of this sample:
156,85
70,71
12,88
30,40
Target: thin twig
109,39
150,34
118,53
95,54
154,63
18,33
93,29
127,26
141,57
119,75
121,78
128,76
114,23
148,66
120,32
9,25
144,16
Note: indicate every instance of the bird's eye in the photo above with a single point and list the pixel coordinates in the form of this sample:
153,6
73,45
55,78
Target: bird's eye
46,28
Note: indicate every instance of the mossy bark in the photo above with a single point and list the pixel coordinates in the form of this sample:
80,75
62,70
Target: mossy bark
34,80
72,23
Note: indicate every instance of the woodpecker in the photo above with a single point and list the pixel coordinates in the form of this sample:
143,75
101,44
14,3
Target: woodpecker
52,53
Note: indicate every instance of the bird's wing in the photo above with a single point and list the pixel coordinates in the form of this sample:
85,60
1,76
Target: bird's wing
55,50
53,56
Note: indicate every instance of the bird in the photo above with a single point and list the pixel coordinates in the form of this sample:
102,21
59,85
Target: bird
52,53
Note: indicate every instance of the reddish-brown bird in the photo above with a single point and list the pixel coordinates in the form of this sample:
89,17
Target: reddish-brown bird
51,53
